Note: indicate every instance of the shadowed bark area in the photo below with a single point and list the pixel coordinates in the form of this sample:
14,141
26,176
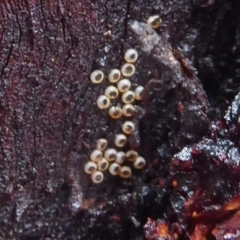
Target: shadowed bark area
49,120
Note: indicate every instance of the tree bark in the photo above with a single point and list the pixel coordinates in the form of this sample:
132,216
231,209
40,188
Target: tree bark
49,120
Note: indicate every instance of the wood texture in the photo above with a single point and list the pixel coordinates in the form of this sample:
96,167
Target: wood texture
49,121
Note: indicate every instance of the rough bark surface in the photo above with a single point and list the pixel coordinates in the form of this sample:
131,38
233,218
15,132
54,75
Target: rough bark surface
49,121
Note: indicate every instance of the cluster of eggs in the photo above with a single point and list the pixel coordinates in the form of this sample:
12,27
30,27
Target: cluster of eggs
103,158
123,86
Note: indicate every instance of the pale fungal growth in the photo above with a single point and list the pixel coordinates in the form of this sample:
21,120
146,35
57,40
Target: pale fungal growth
97,177
139,92
128,110
111,92
139,163
120,158
131,155
103,102
110,154
131,56
128,97
120,140
128,69
103,164
114,169
96,155
125,172
114,75
128,127
97,76
154,21
102,144
90,167
124,85
115,112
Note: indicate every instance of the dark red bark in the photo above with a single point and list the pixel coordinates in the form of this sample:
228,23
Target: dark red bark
49,121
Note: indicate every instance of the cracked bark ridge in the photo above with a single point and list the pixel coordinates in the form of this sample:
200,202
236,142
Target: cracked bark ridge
49,121
177,98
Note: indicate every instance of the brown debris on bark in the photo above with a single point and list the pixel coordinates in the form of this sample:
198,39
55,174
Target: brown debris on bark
229,229
158,230
49,121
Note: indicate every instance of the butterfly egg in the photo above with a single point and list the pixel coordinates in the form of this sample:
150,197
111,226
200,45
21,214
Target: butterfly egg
120,158
128,97
97,177
115,112
128,69
128,110
110,154
111,92
139,163
103,164
102,144
114,169
96,155
90,167
114,75
131,155
97,76
131,56
128,127
154,21
103,102
125,172
124,85
120,140
139,93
